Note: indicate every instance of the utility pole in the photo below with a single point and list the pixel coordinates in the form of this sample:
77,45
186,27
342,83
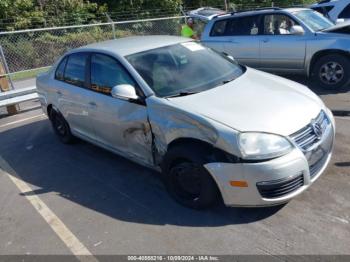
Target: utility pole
226,5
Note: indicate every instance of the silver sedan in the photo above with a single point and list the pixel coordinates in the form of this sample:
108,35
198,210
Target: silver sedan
213,128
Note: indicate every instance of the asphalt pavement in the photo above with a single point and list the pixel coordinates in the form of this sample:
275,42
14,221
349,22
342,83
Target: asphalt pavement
113,206
59,199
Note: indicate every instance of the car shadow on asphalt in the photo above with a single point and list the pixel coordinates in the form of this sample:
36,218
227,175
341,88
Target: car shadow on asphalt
104,182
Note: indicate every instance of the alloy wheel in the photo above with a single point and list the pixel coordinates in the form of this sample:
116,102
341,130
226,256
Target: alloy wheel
331,73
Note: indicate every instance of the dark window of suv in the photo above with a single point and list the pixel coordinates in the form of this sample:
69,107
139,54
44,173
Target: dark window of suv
75,69
345,13
106,72
278,24
59,74
246,25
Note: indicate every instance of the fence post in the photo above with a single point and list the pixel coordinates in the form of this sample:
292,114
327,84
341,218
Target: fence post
112,24
183,13
6,83
6,67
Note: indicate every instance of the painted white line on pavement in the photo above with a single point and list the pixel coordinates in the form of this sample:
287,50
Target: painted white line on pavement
62,231
22,120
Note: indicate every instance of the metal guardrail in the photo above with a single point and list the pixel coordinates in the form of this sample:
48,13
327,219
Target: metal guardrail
14,97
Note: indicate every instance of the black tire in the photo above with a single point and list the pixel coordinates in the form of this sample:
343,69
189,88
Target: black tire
61,127
331,72
186,179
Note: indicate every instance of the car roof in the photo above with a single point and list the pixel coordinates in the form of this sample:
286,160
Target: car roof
326,2
134,44
263,11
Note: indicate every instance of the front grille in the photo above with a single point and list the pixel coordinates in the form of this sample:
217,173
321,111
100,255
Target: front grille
281,187
306,137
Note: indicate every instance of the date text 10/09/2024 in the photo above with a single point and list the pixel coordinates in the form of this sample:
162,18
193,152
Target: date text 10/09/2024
173,258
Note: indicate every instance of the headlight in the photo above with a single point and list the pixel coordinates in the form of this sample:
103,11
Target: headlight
262,146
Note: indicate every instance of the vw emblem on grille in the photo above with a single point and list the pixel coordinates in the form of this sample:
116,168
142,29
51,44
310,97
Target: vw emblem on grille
317,128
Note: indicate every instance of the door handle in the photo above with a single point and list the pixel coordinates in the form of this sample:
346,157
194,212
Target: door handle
92,103
59,93
266,40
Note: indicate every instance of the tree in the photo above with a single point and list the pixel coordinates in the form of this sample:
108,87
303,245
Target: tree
22,14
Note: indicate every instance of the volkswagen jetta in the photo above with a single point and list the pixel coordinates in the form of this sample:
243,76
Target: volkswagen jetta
213,128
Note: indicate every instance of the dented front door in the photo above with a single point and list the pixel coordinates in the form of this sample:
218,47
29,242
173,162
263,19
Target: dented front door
119,125
123,127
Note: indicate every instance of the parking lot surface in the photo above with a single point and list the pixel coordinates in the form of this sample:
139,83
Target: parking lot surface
113,206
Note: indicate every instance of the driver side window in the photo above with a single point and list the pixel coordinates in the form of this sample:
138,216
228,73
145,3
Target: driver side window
106,72
278,24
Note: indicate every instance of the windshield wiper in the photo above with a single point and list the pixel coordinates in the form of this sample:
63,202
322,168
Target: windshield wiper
184,93
228,81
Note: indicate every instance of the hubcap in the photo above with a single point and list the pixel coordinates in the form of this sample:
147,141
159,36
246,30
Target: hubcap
331,73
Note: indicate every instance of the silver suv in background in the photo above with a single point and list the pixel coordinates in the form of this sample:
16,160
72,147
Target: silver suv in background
293,40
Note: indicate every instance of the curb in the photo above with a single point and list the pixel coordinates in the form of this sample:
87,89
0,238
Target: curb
341,112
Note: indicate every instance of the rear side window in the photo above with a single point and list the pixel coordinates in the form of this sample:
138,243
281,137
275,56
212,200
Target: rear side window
59,75
345,13
247,25
106,72
76,68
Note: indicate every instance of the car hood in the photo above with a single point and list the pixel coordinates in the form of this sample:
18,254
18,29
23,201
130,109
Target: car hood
339,28
256,101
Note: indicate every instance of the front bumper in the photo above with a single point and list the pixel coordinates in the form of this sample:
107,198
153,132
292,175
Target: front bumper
286,168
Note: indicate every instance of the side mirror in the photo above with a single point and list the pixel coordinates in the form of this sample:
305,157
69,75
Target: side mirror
124,92
297,30
340,21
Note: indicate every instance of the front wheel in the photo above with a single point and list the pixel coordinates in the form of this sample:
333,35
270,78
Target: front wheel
331,71
187,181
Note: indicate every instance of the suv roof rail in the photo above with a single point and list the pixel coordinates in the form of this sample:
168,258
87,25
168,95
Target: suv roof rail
248,10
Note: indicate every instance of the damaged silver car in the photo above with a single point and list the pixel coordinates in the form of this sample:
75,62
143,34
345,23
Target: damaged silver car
213,128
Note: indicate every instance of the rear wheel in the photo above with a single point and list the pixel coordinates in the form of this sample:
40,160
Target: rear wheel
331,71
61,127
188,181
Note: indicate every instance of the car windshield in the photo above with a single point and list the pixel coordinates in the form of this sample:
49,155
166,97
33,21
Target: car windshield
184,68
314,20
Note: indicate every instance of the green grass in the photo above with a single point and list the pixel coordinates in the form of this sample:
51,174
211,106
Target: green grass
28,74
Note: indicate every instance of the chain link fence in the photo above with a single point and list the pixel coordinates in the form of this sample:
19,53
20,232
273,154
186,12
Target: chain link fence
35,49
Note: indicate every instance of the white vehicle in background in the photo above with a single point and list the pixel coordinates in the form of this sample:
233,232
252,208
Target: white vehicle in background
205,13
202,16
336,10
